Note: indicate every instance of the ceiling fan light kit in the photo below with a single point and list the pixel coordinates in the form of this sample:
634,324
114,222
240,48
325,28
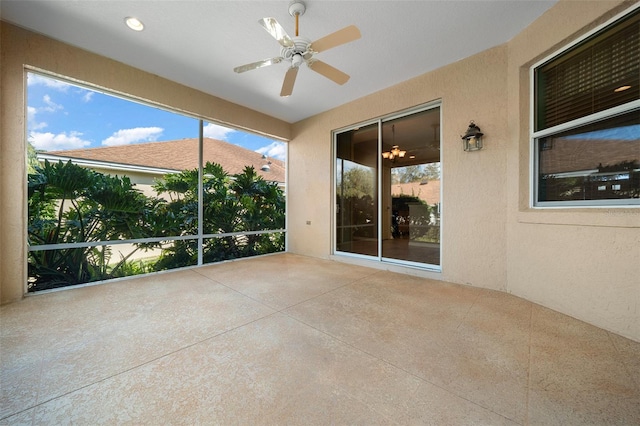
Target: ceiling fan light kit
299,50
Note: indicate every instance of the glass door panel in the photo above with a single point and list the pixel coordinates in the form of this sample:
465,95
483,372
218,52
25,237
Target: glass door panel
357,191
411,188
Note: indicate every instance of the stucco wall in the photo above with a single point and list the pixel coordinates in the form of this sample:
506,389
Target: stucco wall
472,228
22,48
583,262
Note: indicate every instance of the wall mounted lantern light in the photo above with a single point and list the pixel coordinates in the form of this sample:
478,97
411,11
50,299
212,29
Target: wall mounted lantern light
472,140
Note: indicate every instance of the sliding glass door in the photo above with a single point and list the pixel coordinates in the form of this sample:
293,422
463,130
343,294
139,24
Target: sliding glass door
412,196
388,200
357,191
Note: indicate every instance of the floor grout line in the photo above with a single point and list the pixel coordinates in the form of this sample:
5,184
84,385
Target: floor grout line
274,315
466,314
387,362
527,420
135,367
351,283
239,292
622,361
277,309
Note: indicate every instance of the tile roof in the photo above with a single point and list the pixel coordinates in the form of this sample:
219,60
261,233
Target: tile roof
576,154
181,155
428,192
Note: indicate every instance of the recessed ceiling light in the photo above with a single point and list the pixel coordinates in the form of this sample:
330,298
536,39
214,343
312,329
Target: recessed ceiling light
134,23
622,88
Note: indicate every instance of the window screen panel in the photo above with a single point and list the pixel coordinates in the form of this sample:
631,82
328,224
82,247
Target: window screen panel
599,161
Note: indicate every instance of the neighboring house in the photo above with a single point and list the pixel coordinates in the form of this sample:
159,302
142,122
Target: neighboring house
427,191
405,214
569,157
571,172
145,162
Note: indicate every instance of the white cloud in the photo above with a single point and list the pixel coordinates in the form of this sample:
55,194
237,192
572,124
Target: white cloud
35,79
31,113
274,150
87,96
50,142
216,131
129,136
50,105
31,119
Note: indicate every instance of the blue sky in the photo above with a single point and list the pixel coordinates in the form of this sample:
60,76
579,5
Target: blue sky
63,116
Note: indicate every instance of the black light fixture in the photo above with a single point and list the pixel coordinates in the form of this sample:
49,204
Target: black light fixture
472,140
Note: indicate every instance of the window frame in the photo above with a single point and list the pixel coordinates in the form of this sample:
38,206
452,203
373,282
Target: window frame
535,136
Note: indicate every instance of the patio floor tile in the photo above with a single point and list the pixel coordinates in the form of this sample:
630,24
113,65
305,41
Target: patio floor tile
289,339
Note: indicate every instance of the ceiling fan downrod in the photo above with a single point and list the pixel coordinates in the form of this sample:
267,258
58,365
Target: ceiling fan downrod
296,9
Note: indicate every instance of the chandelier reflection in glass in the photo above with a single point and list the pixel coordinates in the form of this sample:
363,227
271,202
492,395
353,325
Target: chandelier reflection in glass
395,152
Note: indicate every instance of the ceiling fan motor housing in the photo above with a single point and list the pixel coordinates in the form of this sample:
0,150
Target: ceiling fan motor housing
300,47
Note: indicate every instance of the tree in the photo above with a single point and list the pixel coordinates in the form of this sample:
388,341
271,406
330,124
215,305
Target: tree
241,203
415,173
432,171
32,158
357,182
71,204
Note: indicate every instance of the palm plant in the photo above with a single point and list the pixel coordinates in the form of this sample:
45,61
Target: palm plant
71,204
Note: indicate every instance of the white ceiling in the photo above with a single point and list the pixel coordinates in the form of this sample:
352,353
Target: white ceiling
198,43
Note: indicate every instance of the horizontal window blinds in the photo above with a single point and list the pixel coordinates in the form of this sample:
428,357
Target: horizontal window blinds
591,77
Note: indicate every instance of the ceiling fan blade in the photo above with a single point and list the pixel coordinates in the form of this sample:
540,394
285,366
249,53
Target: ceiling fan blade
328,71
289,80
259,64
342,36
275,29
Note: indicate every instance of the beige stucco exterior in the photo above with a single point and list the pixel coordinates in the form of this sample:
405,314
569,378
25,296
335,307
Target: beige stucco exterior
583,262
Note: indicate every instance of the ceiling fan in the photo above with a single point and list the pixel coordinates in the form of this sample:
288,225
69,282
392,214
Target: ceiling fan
298,49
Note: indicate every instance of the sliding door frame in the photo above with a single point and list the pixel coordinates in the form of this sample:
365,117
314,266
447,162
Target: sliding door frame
334,150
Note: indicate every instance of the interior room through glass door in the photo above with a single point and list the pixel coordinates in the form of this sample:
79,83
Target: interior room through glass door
411,204
357,191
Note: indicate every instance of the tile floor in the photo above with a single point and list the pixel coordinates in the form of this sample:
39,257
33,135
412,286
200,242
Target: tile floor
287,339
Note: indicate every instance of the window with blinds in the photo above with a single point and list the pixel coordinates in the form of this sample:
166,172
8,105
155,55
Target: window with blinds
600,73
586,111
